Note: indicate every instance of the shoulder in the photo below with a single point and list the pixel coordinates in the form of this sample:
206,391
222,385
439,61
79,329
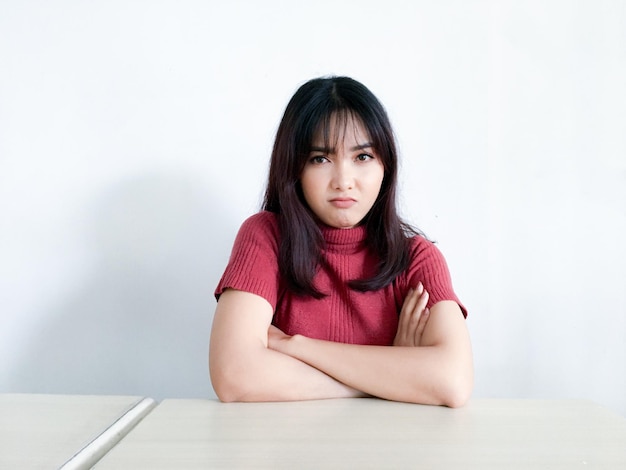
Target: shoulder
425,255
420,246
263,219
261,223
253,263
260,229
429,267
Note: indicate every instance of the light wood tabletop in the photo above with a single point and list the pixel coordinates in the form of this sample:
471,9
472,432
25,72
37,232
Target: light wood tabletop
64,431
372,433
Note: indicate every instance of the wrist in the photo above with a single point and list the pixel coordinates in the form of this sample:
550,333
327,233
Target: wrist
295,346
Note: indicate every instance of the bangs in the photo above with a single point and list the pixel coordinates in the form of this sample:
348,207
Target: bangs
323,113
334,125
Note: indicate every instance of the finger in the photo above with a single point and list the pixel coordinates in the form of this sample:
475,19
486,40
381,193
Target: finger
407,307
418,312
409,314
422,301
405,333
418,306
412,298
419,331
419,289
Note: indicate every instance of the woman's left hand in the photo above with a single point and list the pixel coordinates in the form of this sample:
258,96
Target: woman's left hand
413,318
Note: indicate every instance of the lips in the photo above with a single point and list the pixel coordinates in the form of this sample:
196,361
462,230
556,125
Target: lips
343,202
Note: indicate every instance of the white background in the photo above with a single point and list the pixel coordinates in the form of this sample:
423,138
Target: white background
135,136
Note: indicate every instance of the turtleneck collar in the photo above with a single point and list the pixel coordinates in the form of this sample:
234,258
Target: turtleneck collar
344,239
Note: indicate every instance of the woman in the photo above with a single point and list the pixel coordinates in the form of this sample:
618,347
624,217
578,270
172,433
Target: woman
327,292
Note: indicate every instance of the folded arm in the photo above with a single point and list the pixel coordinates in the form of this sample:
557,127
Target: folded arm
246,365
242,366
438,372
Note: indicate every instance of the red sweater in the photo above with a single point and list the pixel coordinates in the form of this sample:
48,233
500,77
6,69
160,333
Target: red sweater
344,315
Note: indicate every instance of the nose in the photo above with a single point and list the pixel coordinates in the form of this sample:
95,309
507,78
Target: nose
343,176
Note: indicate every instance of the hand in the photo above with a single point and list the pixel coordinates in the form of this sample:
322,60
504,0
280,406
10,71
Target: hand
276,339
413,318
279,341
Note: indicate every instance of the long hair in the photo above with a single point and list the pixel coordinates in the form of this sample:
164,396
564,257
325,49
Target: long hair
308,114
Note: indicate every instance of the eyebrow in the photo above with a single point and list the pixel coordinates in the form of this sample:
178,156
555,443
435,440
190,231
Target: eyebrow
366,145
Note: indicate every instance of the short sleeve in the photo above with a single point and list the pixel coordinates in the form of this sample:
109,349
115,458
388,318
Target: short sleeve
253,263
429,267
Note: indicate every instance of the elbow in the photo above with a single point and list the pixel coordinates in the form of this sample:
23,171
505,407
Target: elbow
229,378
456,380
457,397
228,387
452,383
226,394
228,391
456,391
224,391
232,385
238,379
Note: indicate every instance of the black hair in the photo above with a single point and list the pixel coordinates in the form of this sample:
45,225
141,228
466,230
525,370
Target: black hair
309,114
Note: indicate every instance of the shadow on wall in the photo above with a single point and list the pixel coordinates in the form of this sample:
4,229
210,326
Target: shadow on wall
140,324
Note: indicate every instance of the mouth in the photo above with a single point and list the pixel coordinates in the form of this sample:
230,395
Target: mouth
343,202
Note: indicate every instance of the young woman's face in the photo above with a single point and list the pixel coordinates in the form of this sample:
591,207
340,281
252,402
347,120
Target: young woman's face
341,184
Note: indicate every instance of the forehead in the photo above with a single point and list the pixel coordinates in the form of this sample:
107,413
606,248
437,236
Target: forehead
339,127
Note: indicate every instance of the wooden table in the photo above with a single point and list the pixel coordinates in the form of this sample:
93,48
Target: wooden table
64,431
371,433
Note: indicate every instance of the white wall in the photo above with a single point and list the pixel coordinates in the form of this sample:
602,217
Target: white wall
134,139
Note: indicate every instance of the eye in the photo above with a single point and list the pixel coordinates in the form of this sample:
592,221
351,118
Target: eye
363,157
318,159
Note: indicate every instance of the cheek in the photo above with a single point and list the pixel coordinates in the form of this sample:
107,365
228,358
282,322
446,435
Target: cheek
310,187
376,180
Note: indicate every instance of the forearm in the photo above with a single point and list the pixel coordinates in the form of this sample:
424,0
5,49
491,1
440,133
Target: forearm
428,375
437,370
243,368
268,375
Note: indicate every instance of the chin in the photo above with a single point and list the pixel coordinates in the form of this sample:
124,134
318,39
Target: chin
345,225
342,223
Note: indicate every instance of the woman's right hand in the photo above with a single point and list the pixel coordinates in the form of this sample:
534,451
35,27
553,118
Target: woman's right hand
413,318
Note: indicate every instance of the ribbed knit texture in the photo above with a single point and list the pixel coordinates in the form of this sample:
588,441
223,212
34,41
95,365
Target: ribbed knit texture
344,315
